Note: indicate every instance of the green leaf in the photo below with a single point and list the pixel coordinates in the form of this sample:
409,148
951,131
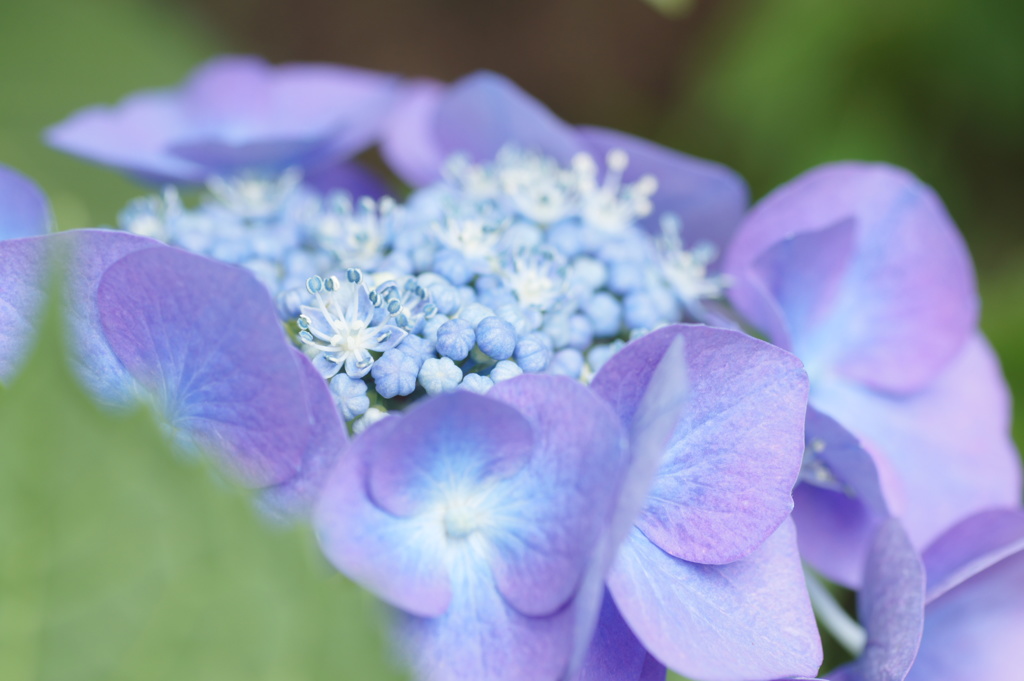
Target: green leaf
121,560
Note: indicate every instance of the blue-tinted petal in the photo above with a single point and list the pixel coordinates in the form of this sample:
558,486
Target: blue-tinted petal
409,143
24,210
696,618
402,560
726,479
615,654
203,339
24,271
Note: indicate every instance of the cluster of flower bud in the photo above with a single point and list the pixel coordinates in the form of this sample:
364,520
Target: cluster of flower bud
518,265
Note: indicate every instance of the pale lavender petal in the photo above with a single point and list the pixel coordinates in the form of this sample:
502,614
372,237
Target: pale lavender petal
24,210
443,445
971,546
615,654
132,136
839,505
484,111
203,339
709,197
696,618
944,453
909,301
974,631
559,506
24,271
400,559
294,498
409,143
726,479
480,636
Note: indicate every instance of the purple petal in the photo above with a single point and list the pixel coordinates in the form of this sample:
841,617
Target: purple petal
891,606
726,479
456,440
615,654
24,271
944,453
481,636
294,498
972,546
204,340
973,631
353,178
399,559
24,210
409,144
838,517
709,197
909,301
560,505
484,111
695,618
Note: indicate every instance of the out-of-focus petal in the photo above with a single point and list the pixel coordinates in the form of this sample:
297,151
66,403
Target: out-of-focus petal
709,197
409,143
24,210
24,271
353,178
203,340
908,302
484,111
949,446
696,618
726,479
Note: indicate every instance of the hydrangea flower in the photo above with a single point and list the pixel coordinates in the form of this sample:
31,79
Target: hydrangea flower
489,522
24,210
195,339
953,614
859,270
484,111
235,114
711,566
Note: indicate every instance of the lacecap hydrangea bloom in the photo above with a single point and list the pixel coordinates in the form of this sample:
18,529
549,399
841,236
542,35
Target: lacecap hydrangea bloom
527,415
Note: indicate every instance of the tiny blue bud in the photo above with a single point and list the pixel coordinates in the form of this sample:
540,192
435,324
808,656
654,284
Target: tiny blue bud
474,313
349,395
455,338
429,330
505,370
533,352
567,362
439,375
453,266
417,347
395,373
605,314
496,337
581,332
476,383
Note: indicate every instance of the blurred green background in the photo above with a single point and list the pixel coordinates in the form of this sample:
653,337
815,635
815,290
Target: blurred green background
770,87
